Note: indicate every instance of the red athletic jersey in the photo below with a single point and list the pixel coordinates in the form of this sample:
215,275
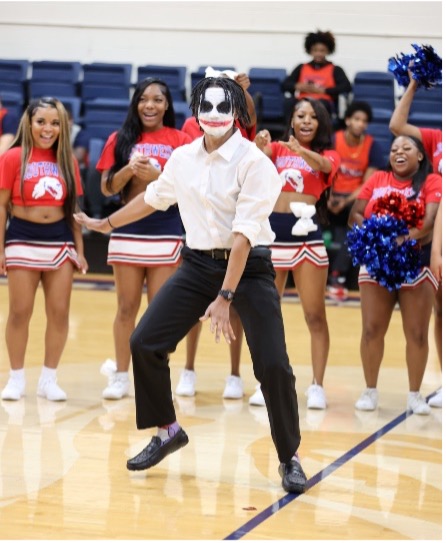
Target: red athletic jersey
431,139
381,183
298,176
323,77
192,128
354,163
157,145
43,184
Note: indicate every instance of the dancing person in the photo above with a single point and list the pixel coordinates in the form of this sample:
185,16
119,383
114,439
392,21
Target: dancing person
149,249
319,79
411,175
361,155
307,165
234,383
225,189
41,244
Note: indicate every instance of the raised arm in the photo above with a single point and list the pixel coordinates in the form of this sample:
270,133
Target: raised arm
399,121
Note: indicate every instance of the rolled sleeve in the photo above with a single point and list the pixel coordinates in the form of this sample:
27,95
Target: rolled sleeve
160,194
261,186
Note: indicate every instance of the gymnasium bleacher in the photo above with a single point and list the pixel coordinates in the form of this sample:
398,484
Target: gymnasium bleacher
98,95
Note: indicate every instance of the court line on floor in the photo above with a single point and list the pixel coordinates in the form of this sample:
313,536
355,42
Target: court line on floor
323,474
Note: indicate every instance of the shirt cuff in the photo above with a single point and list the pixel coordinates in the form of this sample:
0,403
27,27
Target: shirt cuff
248,229
152,199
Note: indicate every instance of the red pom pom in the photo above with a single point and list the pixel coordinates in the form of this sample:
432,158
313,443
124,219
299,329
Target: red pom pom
413,214
391,204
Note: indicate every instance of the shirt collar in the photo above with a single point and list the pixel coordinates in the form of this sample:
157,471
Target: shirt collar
228,149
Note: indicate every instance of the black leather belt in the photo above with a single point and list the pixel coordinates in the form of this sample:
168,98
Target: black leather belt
216,254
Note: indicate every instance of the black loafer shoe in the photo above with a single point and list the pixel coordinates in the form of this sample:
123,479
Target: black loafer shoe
156,450
294,479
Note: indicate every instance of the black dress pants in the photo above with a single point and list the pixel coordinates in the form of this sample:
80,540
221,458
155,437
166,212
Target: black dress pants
177,307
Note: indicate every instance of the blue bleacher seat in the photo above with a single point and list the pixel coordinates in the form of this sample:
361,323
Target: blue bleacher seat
37,89
173,76
95,147
376,88
105,110
426,119
73,104
427,101
91,91
382,134
381,115
101,129
13,102
49,70
13,76
107,73
182,112
268,83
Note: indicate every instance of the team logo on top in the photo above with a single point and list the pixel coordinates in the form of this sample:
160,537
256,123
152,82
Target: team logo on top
293,178
49,185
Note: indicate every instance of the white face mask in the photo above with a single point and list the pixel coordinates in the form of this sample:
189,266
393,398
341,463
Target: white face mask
215,115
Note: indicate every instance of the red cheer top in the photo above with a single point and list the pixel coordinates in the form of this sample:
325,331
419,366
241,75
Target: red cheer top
323,77
431,139
381,183
354,163
157,145
43,184
298,176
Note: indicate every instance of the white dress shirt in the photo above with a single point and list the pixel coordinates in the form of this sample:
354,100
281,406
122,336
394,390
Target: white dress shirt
232,189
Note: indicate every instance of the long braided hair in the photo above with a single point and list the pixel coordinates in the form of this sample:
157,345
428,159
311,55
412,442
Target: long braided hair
233,93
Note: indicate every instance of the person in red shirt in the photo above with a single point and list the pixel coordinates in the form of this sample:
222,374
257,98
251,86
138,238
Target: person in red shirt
361,155
234,385
432,142
39,187
147,251
307,165
319,79
411,176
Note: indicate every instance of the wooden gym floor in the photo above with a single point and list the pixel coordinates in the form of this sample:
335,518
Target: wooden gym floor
372,476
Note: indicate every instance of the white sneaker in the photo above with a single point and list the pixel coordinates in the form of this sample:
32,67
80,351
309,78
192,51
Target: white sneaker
368,400
50,390
186,385
417,404
118,386
316,397
435,401
257,398
14,389
233,388
108,367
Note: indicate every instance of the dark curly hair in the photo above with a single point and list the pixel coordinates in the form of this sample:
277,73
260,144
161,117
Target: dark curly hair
353,107
326,38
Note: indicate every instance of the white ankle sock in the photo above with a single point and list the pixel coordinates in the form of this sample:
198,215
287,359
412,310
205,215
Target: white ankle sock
18,375
48,374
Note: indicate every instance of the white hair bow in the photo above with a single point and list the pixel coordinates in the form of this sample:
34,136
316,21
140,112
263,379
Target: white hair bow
210,72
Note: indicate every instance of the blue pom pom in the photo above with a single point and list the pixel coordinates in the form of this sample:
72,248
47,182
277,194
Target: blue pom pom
425,65
374,246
